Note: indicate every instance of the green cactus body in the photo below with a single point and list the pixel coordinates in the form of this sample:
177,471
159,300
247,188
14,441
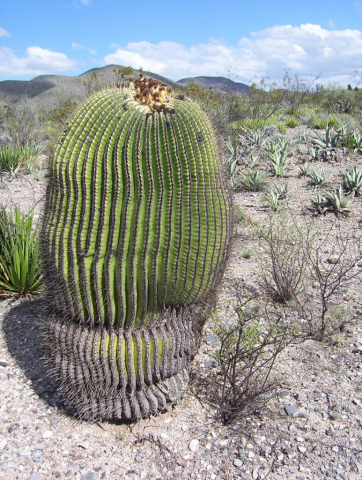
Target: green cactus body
136,233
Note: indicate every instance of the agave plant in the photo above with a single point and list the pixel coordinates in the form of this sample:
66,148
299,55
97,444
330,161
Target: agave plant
280,162
330,139
10,159
338,202
253,180
304,169
20,265
358,140
332,202
352,180
313,153
320,205
135,239
254,160
318,178
276,196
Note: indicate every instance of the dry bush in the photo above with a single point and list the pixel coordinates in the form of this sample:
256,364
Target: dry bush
250,339
310,271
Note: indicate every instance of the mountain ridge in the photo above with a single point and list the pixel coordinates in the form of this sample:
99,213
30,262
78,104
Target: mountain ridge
49,91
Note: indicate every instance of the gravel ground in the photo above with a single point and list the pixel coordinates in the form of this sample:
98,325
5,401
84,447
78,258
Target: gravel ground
311,430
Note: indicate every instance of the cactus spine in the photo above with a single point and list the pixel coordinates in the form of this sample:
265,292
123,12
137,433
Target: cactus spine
136,233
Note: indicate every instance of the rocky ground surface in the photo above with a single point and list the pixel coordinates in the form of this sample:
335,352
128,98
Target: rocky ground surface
312,429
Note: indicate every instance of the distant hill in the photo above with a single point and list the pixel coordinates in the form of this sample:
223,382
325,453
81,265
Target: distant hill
47,92
217,83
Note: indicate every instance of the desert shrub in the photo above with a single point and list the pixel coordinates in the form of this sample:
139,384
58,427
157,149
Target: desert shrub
282,128
282,260
62,112
311,271
318,123
250,340
20,266
292,122
21,126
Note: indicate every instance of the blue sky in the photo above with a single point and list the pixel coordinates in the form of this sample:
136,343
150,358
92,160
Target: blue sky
246,39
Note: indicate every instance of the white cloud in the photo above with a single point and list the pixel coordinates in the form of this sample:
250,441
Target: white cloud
4,33
85,2
78,46
38,61
306,49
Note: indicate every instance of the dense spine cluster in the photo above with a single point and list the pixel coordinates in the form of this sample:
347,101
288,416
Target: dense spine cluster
136,233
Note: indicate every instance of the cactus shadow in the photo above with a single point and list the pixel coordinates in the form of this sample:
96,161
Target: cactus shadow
24,327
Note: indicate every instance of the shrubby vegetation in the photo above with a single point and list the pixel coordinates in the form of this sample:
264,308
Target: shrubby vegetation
263,135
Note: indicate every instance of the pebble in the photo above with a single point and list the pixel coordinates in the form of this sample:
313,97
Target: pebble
48,434
237,462
3,444
4,363
37,457
211,339
25,453
194,445
89,476
291,410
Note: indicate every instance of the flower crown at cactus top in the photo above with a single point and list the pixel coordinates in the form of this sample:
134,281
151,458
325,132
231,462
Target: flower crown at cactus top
156,95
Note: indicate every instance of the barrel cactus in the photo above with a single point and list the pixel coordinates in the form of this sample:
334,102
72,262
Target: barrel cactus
135,239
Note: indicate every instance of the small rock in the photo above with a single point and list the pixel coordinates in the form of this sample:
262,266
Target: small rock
210,364
211,339
144,474
263,450
89,476
333,259
84,445
335,449
3,444
291,410
37,457
25,453
194,445
237,462
40,390
35,476
48,434
302,449
337,408
4,363
39,446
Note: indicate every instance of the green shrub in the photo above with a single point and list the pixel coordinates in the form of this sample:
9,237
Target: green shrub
282,128
292,122
20,265
319,123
